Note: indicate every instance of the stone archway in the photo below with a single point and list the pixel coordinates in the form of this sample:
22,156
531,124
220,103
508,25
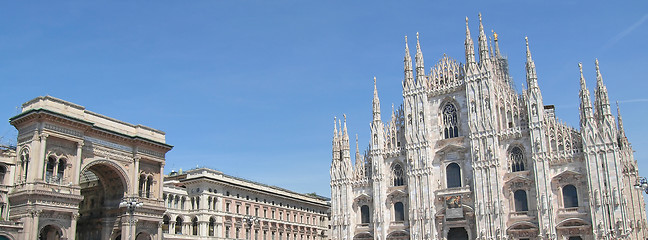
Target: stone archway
50,232
143,236
103,186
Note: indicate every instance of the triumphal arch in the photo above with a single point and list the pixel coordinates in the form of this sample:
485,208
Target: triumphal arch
76,171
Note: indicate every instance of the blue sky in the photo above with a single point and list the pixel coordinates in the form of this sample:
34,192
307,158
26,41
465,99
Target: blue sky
251,87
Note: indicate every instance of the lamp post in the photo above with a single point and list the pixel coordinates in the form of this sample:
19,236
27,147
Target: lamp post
130,204
249,221
642,184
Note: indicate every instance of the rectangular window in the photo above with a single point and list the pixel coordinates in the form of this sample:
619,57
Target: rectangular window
256,212
227,207
237,208
265,213
227,232
247,210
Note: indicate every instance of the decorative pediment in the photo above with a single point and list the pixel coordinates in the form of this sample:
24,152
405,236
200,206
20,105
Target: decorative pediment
395,196
361,199
567,176
572,223
398,234
452,147
518,181
363,235
522,229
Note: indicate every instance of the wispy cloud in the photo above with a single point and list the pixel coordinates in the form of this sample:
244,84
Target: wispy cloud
625,32
634,100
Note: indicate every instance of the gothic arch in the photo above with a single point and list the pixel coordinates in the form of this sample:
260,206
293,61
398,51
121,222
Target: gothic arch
449,118
517,158
124,176
398,174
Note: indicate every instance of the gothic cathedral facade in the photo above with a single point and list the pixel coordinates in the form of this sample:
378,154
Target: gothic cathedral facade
466,156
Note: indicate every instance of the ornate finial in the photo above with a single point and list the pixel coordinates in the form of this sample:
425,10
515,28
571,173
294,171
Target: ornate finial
580,67
597,65
417,35
494,35
526,39
405,39
344,118
374,81
480,18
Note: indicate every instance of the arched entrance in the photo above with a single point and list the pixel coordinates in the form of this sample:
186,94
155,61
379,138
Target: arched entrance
143,236
50,232
103,187
457,234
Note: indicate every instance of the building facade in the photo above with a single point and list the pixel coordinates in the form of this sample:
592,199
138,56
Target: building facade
74,173
73,170
207,204
466,156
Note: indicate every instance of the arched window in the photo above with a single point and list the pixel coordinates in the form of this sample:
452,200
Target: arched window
570,196
60,171
399,212
212,225
453,175
364,212
516,156
49,170
178,225
24,163
450,128
194,226
521,204
3,171
165,224
397,172
149,184
142,182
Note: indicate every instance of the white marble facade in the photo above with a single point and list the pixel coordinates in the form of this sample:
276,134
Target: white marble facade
466,156
204,203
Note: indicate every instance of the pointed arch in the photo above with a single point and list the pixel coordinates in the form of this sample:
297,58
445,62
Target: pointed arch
450,120
398,175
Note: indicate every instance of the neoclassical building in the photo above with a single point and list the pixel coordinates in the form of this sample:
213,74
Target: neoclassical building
74,173
204,203
466,156
72,169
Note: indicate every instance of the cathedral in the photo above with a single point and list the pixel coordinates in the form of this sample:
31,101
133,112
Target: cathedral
466,156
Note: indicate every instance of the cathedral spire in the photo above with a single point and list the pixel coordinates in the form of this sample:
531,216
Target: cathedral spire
335,131
585,105
483,44
376,103
532,78
497,50
409,75
470,47
623,140
602,102
345,134
336,142
357,153
420,66
620,121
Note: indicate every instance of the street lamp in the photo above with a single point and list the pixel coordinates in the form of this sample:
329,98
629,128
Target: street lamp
249,221
130,204
642,184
